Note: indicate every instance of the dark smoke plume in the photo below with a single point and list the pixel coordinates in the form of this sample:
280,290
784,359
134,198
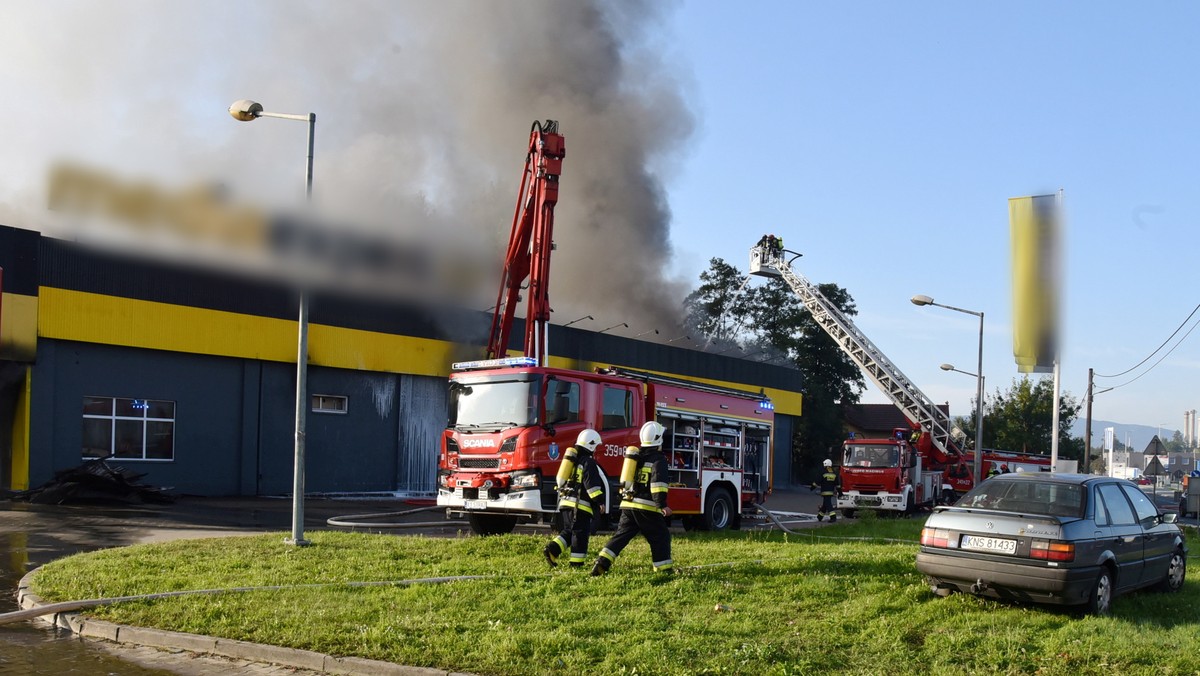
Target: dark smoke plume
423,116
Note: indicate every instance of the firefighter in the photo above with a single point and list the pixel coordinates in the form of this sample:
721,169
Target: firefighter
644,485
830,486
581,491
993,471
1004,469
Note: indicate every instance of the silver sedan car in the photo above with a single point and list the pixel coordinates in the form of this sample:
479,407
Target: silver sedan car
1069,539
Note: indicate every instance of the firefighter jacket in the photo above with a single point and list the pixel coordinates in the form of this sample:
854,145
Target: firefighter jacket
651,481
584,488
831,483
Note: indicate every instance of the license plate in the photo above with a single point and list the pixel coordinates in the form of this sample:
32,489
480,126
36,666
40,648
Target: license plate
867,501
985,544
475,504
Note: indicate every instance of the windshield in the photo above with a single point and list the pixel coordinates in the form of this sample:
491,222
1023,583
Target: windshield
858,455
1045,498
491,405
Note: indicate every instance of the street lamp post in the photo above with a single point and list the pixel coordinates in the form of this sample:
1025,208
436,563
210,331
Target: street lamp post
248,111
926,300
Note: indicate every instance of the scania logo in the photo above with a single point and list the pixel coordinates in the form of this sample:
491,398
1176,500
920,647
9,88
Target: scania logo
477,443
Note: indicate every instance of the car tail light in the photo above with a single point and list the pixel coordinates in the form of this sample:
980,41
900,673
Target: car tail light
935,537
1051,550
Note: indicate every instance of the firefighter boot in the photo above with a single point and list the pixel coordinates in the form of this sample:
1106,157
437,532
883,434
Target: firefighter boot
601,567
820,516
553,550
832,517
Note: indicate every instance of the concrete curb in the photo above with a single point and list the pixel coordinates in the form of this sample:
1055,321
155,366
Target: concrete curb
242,650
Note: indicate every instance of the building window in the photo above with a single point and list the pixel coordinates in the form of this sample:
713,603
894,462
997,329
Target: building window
129,429
328,403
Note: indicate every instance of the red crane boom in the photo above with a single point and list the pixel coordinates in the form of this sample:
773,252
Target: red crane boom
529,246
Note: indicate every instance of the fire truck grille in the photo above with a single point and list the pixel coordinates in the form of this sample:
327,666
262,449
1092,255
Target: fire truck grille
479,463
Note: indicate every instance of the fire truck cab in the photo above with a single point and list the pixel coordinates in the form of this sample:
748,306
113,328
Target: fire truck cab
886,474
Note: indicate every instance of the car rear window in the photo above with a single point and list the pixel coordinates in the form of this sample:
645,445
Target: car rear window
1044,498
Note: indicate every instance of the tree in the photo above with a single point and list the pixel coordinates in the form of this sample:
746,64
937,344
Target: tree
771,319
717,308
1020,420
1176,445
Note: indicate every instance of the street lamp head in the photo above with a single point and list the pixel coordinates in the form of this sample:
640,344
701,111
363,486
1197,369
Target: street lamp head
245,110
947,367
921,300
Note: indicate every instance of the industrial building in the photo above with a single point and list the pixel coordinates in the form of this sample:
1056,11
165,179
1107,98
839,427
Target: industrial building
188,374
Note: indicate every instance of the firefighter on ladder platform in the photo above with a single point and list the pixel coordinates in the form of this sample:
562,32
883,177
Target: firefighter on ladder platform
581,488
830,486
644,486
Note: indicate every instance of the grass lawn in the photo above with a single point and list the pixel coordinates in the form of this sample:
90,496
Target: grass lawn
839,600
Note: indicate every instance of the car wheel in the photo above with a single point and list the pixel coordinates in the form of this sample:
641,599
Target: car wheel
491,524
718,510
1100,600
1176,571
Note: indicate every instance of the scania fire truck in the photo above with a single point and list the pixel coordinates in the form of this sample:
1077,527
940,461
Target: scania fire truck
511,421
512,417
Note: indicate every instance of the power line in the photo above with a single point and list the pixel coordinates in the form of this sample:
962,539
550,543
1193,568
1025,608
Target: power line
1149,356
1167,354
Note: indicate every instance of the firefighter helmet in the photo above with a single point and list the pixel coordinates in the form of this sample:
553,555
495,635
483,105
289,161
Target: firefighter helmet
651,434
589,439
828,462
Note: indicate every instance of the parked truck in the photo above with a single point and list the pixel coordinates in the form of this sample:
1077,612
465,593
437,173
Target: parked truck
512,417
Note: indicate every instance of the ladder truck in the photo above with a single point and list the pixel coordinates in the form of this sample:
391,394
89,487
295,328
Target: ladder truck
511,418
905,471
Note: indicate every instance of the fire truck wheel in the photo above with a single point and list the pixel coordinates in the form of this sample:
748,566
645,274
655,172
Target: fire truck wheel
848,513
949,497
718,510
491,524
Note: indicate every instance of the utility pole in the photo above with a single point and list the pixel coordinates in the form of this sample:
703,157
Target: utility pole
1087,434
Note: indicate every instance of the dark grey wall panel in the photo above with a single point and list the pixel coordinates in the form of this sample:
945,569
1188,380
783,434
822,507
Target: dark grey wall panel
353,451
207,396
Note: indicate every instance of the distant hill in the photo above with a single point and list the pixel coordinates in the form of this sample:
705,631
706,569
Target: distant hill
1139,435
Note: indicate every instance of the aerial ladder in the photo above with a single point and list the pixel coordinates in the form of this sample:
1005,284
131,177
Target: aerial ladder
767,260
529,245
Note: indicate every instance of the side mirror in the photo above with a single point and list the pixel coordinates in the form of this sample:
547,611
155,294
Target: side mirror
1170,517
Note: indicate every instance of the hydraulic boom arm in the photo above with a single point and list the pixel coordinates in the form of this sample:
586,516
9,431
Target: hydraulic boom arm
766,260
529,246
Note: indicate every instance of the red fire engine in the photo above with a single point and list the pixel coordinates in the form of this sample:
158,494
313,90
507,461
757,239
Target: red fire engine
511,418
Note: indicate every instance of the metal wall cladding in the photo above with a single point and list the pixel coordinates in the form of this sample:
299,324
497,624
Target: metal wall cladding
423,406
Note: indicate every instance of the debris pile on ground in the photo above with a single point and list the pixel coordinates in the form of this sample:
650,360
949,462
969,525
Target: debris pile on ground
93,481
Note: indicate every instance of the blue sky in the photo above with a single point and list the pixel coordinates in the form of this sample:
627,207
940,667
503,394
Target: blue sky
880,139
883,140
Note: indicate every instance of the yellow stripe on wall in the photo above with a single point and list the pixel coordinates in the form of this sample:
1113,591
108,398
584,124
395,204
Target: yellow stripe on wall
111,320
